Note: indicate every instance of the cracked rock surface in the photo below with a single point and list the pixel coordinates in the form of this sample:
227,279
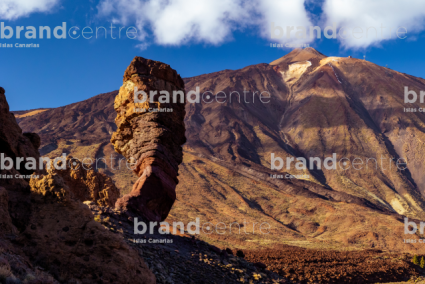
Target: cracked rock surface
151,139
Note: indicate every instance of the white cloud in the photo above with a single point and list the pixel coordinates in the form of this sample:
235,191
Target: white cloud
176,22
284,14
142,46
371,15
13,9
180,21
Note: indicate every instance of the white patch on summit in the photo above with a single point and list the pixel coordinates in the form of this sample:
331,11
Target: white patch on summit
294,72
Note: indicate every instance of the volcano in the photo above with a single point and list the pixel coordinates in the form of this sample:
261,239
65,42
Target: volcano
317,106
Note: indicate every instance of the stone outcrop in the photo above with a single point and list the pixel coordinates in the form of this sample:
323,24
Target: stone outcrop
151,140
15,144
44,225
64,237
84,183
51,185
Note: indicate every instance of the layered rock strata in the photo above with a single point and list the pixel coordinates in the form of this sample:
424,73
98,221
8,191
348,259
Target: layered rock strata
150,135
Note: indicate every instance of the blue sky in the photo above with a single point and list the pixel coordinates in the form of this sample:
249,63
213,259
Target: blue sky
64,71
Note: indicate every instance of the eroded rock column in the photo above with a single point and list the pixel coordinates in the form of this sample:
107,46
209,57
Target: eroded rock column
151,134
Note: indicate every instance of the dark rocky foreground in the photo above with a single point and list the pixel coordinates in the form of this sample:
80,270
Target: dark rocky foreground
190,260
47,235
319,266
186,259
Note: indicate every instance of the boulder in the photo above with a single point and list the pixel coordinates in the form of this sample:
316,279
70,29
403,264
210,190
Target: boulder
85,183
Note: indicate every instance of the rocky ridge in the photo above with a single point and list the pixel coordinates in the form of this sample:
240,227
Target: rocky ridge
49,235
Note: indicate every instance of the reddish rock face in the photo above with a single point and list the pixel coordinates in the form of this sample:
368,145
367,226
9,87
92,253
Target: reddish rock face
52,229
14,144
6,226
151,140
71,242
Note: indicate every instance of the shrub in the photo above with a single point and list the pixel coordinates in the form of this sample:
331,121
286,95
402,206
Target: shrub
240,253
422,264
415,259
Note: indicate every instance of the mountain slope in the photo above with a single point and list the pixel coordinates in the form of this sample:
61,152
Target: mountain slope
319,106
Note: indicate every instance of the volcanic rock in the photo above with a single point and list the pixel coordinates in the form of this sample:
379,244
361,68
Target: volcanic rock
150,140
64,237
84,182
34,138
6,226
328,266
318,106
34,215
14,144
49,185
